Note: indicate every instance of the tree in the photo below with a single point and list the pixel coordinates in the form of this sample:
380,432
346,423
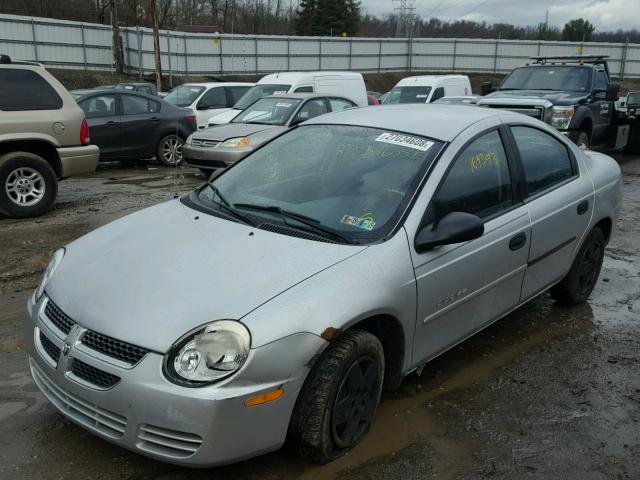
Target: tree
327,17
578,30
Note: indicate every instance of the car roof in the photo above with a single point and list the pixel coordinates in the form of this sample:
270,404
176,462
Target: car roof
441,122
428,79
303,96
291,77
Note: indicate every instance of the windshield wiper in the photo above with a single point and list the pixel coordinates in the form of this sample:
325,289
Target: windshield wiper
224,204
313,223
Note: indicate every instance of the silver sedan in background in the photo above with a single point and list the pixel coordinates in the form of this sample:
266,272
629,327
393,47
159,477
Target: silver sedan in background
276,301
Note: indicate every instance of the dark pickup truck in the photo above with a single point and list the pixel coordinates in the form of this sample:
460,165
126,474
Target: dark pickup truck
571,93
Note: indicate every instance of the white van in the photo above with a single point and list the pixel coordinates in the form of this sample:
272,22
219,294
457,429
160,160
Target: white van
346,84
428,88
206,99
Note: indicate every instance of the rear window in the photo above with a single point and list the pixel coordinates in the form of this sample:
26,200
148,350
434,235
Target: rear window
23,90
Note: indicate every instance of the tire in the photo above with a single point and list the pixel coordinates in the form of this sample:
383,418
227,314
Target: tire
28,185
578,284
169,150
580,138
338,400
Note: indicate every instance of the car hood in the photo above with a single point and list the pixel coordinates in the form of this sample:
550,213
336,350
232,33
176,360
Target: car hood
555,97
233,130
225,117
153,276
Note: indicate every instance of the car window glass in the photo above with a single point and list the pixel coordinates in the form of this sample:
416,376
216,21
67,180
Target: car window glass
236,93
99,106
478,182
338,104
146,90
307,89
311,109
154,107
134,105
601,81
545,160
214,97
23,90
437,93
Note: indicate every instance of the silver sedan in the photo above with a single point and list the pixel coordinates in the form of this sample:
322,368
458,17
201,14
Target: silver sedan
276,302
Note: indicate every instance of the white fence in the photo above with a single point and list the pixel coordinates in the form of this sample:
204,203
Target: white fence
65,44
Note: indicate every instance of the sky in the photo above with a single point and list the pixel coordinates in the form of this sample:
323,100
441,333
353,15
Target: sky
606,15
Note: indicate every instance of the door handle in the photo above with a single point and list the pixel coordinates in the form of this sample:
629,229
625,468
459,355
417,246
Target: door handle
583,207
110,123
518,241
155,119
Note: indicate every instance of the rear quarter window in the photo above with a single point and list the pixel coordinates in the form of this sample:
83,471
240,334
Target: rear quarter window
24,90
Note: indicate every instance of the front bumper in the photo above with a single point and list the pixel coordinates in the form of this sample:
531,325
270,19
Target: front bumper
145,413
78,160
213,157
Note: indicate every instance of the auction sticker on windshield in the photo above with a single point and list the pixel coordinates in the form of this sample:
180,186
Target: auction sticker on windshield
365,222
405,141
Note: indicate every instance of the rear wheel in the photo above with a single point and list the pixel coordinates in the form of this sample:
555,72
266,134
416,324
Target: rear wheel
578,284
28,185
169,150
581,139
337,403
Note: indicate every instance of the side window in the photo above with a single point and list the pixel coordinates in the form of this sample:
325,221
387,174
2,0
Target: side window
213,98
99,106
338,104
145,89
601,81
235,93
154,107
311,109
437,93
307,89
23,90
477,183
134,105
546,161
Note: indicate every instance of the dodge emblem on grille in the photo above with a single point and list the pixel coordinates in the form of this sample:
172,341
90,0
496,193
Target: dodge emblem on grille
66,349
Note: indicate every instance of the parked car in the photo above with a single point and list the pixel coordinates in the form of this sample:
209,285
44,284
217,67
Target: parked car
345,84
207,99
130,126
632,113
428,88
458,100
277,300
223,145
44,137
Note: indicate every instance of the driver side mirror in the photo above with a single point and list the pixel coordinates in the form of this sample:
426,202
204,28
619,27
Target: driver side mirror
613,92
454,227
202,106
297,121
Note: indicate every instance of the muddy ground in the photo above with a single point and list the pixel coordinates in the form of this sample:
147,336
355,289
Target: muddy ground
548,392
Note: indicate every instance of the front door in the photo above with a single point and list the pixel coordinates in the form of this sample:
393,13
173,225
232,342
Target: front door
464,286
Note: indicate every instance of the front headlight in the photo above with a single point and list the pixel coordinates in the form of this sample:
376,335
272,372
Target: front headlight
209,354
561,117
236,142
189,138
46,276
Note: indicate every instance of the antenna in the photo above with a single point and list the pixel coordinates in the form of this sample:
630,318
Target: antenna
406,18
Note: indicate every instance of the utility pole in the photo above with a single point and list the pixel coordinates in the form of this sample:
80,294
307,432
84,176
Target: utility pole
118,51
156,43
406,16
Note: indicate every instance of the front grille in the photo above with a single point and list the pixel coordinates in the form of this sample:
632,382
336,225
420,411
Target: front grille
56,316
49,347
199,142
89,415
292,232
168,443
93,375
111,347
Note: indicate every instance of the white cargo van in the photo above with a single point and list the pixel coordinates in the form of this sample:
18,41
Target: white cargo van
208,98
346,84
428,88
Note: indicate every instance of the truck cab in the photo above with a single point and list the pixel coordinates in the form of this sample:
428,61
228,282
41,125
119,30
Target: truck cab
573,94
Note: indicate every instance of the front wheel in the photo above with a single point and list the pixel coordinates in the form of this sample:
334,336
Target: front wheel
578,284
169,150
336,405
28,185
581,139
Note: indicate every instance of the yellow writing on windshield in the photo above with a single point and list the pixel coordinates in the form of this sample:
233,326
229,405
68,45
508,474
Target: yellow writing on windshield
376,151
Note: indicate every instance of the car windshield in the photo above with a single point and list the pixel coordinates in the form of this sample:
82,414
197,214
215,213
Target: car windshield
184,95
259,91
633,98
269,111
352,181
551,77
407,95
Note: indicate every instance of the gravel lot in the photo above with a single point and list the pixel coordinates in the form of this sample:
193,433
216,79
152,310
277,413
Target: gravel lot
547,392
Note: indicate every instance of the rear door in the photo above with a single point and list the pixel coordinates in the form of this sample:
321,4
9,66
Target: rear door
103,117
559,198
140,125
